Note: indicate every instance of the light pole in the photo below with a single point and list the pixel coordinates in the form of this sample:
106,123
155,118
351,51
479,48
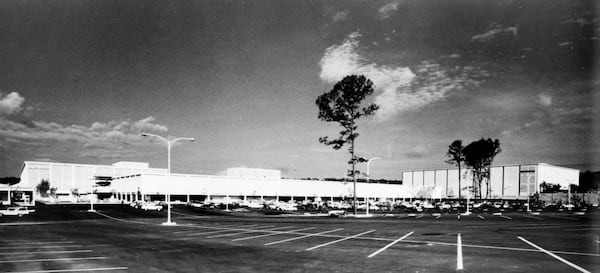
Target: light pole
169,144
528,197
368,177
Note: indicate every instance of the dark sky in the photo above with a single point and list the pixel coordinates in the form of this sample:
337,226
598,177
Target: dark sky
79,80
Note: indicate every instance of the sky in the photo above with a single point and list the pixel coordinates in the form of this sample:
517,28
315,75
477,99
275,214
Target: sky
80,81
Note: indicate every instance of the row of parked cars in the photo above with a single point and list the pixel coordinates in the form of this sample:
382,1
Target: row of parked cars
145,205
16,211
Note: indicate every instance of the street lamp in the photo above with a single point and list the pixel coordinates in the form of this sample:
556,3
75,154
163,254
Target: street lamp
368,177
169,144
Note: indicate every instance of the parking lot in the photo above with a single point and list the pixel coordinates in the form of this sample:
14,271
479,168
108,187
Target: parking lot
112,241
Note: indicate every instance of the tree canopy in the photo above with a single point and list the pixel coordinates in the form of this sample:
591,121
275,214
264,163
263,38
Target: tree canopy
43,187
479,156
10,180
456,157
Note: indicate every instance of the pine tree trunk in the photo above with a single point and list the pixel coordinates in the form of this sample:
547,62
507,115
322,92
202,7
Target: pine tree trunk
353,170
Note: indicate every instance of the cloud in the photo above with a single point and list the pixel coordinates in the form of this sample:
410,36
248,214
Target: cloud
147,124
386,10
433,82
565,44
544,99
585,19
557,118
496,31
398,88
340,16
418,151
99,140
10,103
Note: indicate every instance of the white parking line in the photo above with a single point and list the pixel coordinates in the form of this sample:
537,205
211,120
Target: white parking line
37,243
26,247
481,217
583,229
255,229
339,240
438,217
220,229
73,270
537,226
420,216
207,232
459,256
52,260
507,217
533,217
554,255
198,227
46,252
574,218
304,236
271,234
390,244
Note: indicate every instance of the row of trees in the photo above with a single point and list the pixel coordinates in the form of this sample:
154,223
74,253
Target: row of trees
478,156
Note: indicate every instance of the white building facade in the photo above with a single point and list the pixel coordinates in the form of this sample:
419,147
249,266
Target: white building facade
506,182
131,181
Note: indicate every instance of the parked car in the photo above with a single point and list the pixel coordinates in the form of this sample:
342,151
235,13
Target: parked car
136,204
152,206
16,211
336,213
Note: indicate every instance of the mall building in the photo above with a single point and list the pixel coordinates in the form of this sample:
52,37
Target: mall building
131,181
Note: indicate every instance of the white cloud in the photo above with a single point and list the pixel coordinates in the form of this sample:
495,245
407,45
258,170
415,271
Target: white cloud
496,31
417,151
110,139
10,103
544,99
386,10
397,88
565,44
147,124
341,16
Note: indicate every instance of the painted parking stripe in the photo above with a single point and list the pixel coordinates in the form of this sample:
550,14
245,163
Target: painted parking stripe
73,270
26,247
533,217
198,227
389,245
53,260
481,217
37,243
46,252
506,217
574,218
191,230
255,229
438,217
554,255
339,240
271,234
259,231
304,236
208,232
220,229
583,229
